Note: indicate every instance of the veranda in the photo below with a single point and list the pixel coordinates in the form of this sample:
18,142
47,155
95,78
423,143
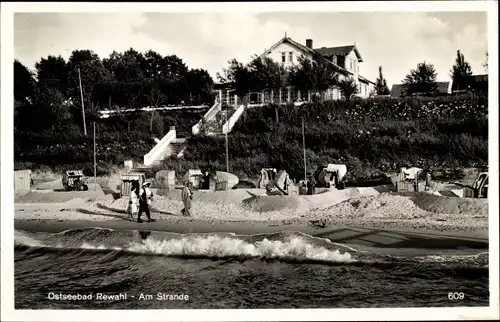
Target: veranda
272,96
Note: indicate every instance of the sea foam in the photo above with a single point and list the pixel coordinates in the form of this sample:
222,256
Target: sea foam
215,246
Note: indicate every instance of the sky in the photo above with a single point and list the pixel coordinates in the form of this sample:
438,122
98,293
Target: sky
397,41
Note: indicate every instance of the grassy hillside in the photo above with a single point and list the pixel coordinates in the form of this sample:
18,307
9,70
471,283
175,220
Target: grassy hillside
371,137
64,148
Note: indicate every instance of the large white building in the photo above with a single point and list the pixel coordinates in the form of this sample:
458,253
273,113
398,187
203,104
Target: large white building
347,59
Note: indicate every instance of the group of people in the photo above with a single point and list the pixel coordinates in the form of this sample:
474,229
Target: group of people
142,197
140,200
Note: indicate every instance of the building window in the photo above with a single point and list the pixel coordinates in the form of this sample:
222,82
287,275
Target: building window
290,56
334,59
283,57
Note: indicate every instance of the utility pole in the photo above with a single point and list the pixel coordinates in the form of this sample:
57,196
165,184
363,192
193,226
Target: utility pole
227,144
304,146
83,108
95,162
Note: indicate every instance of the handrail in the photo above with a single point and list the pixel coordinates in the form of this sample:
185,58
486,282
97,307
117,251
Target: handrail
228,126
108,113
165,141
167,137
208,115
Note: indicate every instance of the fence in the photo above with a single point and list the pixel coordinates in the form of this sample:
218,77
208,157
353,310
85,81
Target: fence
276,96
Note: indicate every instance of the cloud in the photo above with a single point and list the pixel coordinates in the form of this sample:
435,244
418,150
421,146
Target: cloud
396,41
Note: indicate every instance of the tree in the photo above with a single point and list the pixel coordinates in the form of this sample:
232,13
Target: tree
228,75
155,99
266,74
47,108
154,66
485,64
175,67
421,80
200,85
315,74
127,67
381,87
53,71
237,74
92,74
24,83
460,70
348,87
133,93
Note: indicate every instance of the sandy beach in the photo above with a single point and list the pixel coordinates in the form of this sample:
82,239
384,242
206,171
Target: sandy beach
276,246
373,211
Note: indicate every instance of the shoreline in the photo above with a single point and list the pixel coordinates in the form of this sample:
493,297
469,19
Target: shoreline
396,241
365,217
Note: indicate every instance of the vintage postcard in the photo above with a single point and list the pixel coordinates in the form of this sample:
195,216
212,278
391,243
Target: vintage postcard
249,161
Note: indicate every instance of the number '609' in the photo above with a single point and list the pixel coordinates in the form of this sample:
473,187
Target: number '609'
456,296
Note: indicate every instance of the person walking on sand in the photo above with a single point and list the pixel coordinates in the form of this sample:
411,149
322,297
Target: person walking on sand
311,185
134,199
145,198
187,196
428,180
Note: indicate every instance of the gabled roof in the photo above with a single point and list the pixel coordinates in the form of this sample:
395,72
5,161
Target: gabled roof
480,78
470,82
291,42
339,51
396,90
323,52
364,79
302,48
443,87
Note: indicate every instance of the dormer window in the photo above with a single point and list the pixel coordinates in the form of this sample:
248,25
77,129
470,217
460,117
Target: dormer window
334,59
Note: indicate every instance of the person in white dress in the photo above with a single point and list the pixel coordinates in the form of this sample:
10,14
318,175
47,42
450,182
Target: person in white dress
187,196
134,200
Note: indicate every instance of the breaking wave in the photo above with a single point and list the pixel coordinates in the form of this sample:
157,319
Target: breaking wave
285,246
220,247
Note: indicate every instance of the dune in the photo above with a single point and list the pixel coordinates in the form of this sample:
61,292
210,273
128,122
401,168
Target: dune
450,205
370,207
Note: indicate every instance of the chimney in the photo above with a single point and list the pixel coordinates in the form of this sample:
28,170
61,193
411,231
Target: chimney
309,43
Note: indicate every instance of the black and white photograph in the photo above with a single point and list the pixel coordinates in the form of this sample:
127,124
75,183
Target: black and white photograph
281,155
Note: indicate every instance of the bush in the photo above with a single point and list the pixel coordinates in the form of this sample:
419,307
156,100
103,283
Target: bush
372,137
66,146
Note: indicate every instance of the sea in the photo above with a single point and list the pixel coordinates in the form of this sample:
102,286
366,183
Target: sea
97,268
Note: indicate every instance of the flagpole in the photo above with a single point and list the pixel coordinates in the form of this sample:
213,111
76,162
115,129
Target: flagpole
83,108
